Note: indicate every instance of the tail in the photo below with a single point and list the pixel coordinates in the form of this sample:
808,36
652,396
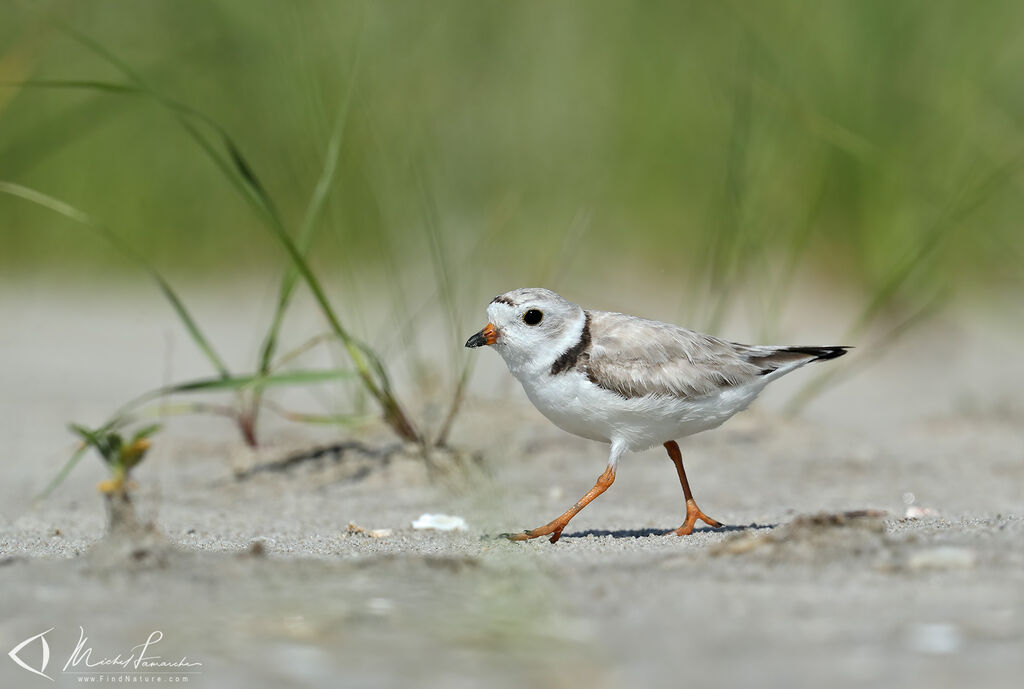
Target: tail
786,359
819,353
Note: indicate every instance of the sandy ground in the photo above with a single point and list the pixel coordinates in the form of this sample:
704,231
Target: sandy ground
776,599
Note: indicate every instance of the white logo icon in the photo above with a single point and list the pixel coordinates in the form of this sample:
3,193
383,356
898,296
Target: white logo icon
46,654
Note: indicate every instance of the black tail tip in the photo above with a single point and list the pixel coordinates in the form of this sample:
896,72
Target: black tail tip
821,353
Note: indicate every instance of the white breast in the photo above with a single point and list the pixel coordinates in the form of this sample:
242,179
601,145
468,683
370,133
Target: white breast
571,402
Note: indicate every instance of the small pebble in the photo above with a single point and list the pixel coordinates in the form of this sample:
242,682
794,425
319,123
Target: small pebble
354,528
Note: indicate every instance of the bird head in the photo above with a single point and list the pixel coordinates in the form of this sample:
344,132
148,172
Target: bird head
530,324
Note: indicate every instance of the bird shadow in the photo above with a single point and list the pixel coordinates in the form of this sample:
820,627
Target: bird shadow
644,533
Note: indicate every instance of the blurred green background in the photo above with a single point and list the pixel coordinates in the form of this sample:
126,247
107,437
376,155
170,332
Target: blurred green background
878,143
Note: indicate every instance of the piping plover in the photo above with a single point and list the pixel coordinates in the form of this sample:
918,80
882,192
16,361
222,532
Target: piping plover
628,381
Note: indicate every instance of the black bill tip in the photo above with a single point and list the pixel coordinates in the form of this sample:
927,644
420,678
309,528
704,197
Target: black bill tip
478,340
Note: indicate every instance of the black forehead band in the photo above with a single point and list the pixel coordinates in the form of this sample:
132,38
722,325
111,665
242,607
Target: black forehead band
502,299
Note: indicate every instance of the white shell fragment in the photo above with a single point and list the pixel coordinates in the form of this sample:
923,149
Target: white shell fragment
440,522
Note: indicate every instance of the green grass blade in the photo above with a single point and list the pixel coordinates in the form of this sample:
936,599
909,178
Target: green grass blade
64,471
225,383
290,378
461,365
310,219
163,409
82,84
365,361
87,435
145,432
138,259
347,420
458,396
306,346
234,166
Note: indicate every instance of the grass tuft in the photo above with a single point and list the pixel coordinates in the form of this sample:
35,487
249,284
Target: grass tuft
235,167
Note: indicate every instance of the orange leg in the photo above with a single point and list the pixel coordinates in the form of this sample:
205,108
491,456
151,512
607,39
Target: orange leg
555,526
693,512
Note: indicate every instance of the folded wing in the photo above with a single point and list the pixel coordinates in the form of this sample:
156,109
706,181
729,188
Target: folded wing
634,357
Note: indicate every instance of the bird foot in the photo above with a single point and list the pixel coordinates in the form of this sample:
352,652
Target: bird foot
693,513
554,530
555,526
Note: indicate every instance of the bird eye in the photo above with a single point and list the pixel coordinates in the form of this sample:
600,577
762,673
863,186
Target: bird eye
533,317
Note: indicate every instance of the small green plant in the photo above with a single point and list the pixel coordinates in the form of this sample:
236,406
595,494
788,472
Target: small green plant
119,454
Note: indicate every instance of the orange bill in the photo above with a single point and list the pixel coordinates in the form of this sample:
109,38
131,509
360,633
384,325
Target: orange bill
487,336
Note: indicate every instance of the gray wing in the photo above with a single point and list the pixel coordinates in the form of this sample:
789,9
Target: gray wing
635,357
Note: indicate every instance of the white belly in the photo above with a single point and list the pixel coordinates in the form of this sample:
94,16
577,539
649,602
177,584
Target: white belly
576,405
